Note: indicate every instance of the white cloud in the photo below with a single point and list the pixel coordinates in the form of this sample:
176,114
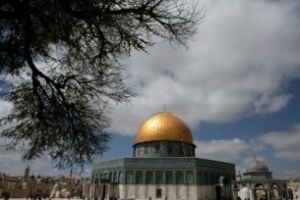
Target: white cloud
285,144
256,146
293,173
241,152
5,108
10,156
13,163
234,150
224,150
288,155
238,65
283,140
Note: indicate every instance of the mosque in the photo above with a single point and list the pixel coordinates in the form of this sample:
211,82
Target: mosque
163,166
257,183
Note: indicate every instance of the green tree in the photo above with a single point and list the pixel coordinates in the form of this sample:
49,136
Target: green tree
65,55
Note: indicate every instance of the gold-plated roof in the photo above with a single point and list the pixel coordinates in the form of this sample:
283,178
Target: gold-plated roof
164,126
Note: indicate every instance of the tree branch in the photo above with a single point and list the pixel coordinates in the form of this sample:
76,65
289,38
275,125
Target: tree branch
15,4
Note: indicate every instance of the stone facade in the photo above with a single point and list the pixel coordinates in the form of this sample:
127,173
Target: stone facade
161,178
294,189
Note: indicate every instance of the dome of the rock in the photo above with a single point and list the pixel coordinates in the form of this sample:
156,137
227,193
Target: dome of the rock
164,126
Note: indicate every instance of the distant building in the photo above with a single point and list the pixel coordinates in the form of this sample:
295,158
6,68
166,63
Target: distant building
163,166
40,186
257,183
294,188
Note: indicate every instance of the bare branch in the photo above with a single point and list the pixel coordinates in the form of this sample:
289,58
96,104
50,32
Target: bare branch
71,51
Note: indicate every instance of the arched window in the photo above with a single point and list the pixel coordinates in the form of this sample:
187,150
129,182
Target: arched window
129,177
149,177
110,177
169,177
199,177
159,177
205,178
96,181
190,178
139,177
179,177
260,192
120,177
274,192
115,177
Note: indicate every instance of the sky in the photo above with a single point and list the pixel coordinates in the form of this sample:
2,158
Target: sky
236,86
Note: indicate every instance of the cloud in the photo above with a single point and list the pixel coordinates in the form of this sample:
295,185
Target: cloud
293,173
238,65
13,164
5,108
223,150
240,153
285,143
283,140
256,146
288,155
235,150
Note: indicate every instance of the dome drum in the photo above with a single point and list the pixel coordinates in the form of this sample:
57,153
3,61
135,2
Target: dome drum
164,149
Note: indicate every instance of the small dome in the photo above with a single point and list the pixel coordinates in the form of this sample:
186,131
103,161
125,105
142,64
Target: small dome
256,166
164,126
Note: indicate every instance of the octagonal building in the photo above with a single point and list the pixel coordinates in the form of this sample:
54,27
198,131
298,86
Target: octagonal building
163,166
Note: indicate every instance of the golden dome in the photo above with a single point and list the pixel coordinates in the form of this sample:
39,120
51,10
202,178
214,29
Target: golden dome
164,126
